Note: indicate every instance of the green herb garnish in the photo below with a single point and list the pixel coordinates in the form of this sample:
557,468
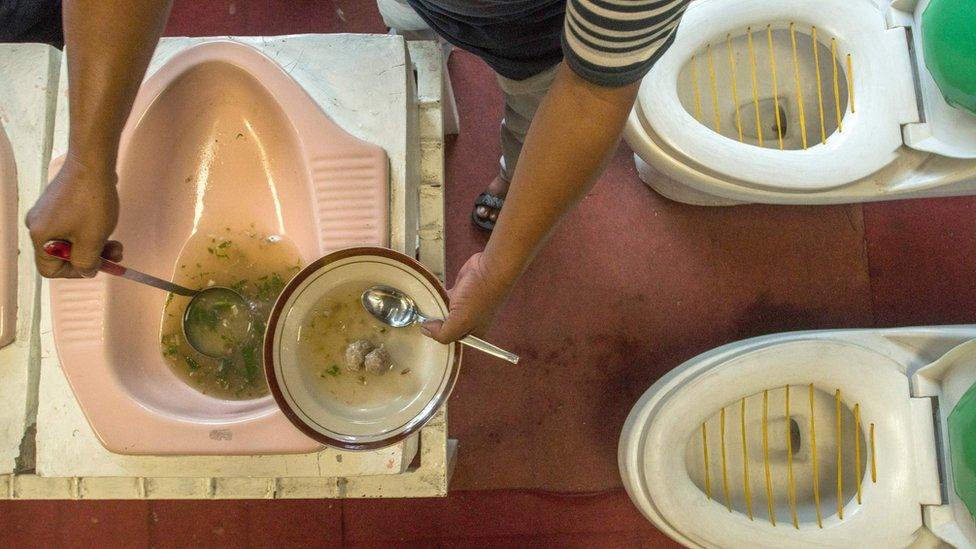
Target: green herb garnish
334,371
171,345
191,363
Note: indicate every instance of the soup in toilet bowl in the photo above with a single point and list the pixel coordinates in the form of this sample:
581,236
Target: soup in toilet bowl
255,265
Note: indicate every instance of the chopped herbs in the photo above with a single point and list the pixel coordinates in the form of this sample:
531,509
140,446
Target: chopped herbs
241,260
334,371
239,286
171,345
269,286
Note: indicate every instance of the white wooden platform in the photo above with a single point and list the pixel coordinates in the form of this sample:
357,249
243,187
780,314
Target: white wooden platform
367,85
28,84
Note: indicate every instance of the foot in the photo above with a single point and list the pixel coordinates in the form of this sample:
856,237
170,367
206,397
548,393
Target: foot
498,187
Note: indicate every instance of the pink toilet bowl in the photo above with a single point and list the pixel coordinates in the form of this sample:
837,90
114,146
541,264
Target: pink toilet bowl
8,242
219,136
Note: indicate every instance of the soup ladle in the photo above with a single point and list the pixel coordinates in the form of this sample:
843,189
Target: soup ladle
216,322
397,309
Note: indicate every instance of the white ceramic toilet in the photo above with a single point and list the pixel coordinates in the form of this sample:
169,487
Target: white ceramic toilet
847,438
801,102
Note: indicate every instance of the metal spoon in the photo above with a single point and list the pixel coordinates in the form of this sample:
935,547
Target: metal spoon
217,305
395,308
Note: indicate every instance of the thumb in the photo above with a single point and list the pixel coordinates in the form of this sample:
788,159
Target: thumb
85,256
447,331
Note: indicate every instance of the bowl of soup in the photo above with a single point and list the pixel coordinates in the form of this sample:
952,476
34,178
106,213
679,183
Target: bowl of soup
340,375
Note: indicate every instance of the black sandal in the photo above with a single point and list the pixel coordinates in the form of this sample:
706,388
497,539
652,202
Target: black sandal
489,201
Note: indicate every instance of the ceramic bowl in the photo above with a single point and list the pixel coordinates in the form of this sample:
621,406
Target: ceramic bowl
357,418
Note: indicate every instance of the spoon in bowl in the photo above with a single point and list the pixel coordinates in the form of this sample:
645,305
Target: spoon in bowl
396,309
216,321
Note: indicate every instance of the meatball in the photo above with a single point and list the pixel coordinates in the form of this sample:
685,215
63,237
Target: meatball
378,361
356,354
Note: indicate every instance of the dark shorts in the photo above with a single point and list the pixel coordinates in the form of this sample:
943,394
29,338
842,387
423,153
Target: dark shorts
31,21
516,46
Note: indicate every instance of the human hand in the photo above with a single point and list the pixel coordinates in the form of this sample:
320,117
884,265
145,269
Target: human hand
475,298
81,206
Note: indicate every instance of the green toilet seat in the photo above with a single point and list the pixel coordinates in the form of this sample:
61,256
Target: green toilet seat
962,448
949,50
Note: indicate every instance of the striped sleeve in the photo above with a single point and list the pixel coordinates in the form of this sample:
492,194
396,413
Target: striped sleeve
615,42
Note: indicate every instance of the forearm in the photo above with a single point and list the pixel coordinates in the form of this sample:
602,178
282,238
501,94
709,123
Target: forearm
573,134
108,44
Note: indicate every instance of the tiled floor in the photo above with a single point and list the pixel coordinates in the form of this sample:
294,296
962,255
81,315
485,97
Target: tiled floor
629,286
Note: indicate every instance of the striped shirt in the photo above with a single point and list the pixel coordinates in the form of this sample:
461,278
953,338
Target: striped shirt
607,42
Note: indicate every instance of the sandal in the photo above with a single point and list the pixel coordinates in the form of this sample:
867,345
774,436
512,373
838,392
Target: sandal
489,201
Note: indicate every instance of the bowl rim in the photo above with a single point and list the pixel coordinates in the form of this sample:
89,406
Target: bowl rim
275,318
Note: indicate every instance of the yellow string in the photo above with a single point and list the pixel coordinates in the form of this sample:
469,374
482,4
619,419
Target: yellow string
694,84
850,80
714,87
840,461
735,91
745,459
725,472
791,487
799,91
874,464
772,67
816,63
857,450
769,479
708,480
816,468
755,89
833,64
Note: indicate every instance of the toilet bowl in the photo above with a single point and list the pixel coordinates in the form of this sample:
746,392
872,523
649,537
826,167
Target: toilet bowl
799,102
812,439
220,139
8,241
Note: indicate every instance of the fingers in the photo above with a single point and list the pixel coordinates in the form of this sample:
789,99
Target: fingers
112,251
448,331
86,256
52,267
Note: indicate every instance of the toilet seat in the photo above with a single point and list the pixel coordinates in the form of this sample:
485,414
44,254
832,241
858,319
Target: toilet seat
668,416
870,138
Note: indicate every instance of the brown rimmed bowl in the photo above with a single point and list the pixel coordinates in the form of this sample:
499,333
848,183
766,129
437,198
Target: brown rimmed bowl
368,422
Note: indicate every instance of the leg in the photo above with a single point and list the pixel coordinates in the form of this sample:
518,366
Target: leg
522,100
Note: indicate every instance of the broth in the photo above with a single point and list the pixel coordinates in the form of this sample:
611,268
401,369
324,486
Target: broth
255,265
337,320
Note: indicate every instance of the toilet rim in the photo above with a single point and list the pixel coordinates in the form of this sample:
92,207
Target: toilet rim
666,415
872,134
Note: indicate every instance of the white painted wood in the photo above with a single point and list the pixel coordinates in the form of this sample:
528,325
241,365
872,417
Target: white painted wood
28,82
325,476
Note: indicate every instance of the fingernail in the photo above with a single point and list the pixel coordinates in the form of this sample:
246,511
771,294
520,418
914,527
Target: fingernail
425,331
89,274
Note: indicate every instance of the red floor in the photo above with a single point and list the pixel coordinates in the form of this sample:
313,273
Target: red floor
629,286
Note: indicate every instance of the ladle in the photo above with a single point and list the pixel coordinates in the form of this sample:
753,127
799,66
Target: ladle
216,321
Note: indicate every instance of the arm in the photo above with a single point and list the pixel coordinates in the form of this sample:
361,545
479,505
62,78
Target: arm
574,133
608,47
109,44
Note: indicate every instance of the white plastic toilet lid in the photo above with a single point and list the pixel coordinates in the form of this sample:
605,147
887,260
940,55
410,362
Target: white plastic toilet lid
872,135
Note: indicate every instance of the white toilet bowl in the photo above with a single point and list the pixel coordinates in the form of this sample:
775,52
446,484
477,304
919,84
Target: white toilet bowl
799,102
714,455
